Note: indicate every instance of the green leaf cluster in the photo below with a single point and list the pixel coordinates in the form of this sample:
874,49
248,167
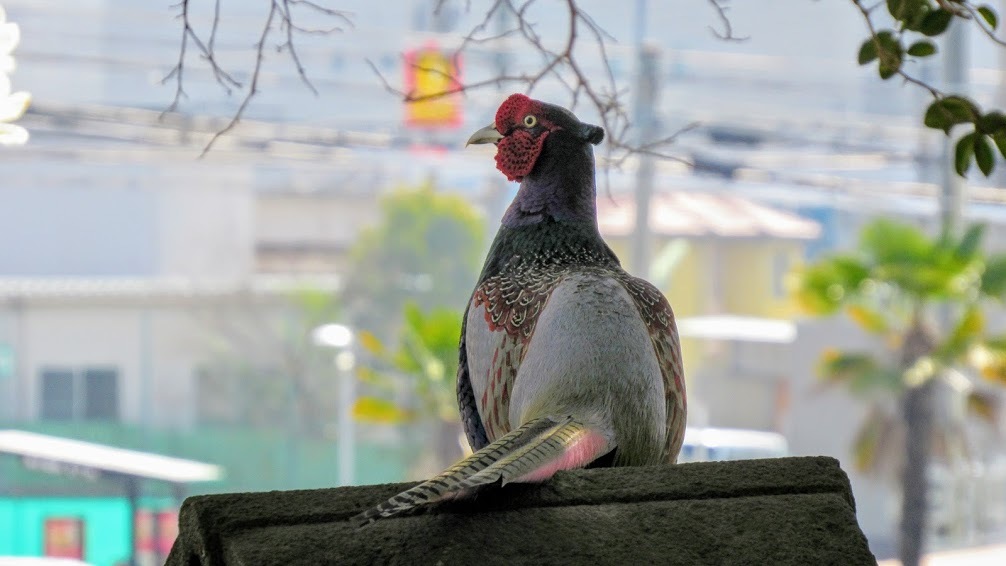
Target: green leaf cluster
886,286
426,247
915,22
422,365
988,129
896,264
895,275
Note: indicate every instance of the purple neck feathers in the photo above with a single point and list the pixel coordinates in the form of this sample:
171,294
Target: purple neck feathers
560,186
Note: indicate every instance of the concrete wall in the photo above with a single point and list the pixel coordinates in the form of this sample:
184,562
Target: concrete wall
332,218
70,218
156,351
75,228
206,230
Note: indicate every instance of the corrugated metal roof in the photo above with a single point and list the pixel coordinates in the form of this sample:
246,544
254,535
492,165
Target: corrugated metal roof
89,455
697,214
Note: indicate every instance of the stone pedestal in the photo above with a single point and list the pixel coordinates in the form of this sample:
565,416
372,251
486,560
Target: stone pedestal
774,512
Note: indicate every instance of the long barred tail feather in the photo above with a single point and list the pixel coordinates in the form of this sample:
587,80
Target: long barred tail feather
536,445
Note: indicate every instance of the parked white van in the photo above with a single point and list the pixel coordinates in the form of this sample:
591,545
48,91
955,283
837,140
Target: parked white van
708,444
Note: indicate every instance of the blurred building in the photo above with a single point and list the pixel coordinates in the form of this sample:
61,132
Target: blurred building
723,261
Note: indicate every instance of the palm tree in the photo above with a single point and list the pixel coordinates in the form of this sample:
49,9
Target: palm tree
895,285
413,383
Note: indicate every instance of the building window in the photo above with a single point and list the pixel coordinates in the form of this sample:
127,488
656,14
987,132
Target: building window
57,394
84,394
101,394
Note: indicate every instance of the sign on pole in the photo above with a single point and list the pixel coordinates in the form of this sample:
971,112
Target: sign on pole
430,72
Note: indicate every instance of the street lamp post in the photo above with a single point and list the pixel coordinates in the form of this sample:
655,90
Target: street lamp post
340,338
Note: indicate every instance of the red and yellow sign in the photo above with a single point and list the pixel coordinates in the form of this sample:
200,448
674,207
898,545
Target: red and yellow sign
155,533
429,74
63,537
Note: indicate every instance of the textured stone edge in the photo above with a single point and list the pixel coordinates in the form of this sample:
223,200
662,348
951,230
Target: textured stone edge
203,528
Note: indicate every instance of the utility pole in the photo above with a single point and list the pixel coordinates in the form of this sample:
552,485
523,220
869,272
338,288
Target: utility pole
644,118
955,79
917,402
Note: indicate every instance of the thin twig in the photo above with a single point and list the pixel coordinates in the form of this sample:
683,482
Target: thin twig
561,64
216,22
283,10
289,46
951,7
980,22
728,30
331,12
206,51
179,67
253,85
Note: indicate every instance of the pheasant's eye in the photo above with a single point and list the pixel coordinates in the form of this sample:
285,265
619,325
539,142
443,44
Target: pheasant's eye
530,121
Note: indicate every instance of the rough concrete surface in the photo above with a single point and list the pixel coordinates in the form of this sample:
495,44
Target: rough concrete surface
774,512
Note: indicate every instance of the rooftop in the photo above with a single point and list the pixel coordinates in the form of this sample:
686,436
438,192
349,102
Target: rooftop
44,452
687,213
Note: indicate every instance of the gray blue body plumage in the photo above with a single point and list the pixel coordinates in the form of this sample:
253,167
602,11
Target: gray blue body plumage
565,360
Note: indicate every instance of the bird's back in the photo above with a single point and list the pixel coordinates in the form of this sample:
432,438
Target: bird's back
555,323
591,349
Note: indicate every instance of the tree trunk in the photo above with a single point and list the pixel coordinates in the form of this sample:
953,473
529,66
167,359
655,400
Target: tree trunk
917,407
917,410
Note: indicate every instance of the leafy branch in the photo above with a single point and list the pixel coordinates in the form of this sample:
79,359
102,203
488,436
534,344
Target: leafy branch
915,22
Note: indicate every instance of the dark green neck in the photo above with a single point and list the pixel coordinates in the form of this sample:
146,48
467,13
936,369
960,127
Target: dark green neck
560,187
548,243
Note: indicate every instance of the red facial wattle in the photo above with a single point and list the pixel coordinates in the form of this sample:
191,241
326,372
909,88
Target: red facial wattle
518,151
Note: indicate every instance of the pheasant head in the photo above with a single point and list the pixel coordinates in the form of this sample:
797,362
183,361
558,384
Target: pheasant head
522,126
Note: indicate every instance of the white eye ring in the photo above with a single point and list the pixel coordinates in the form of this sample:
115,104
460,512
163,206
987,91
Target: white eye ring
530,121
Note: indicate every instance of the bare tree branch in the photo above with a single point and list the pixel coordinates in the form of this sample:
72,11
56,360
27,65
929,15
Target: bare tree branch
253,85
950,6
279,10
728,31
225,80
216,23
562,64
287,23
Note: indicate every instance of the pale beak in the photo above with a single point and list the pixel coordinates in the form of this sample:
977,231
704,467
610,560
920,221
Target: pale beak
487,134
